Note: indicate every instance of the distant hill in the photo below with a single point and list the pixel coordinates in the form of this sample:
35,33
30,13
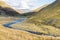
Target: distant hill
5,5
39,8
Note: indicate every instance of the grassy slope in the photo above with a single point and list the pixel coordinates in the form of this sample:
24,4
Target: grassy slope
50,12
11,34
38,21
47,12
3,4
37,9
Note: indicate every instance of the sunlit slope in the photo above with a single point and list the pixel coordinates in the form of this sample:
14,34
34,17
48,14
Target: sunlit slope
37,9
3,4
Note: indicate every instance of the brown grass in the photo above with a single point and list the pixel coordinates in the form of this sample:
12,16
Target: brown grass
11,34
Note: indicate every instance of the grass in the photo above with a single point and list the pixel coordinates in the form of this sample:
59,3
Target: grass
11,34
6,19
45,29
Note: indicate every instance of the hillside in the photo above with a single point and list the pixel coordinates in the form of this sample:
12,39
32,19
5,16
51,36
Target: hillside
11,34
49,13
46,21
39,8
5,5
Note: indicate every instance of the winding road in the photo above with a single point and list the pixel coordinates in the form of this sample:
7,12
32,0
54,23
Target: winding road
8,25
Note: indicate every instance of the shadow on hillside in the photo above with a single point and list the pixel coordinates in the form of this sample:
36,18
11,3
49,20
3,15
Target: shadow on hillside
7,11
11,12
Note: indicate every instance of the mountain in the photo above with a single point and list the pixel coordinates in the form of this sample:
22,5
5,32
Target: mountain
46,21
39,8
49,15
5,5
50,12
22,9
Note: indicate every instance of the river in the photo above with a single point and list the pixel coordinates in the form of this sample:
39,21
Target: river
8,25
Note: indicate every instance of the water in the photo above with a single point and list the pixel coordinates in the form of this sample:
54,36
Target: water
14,22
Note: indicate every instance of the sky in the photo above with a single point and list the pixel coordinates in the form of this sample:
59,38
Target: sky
27,4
